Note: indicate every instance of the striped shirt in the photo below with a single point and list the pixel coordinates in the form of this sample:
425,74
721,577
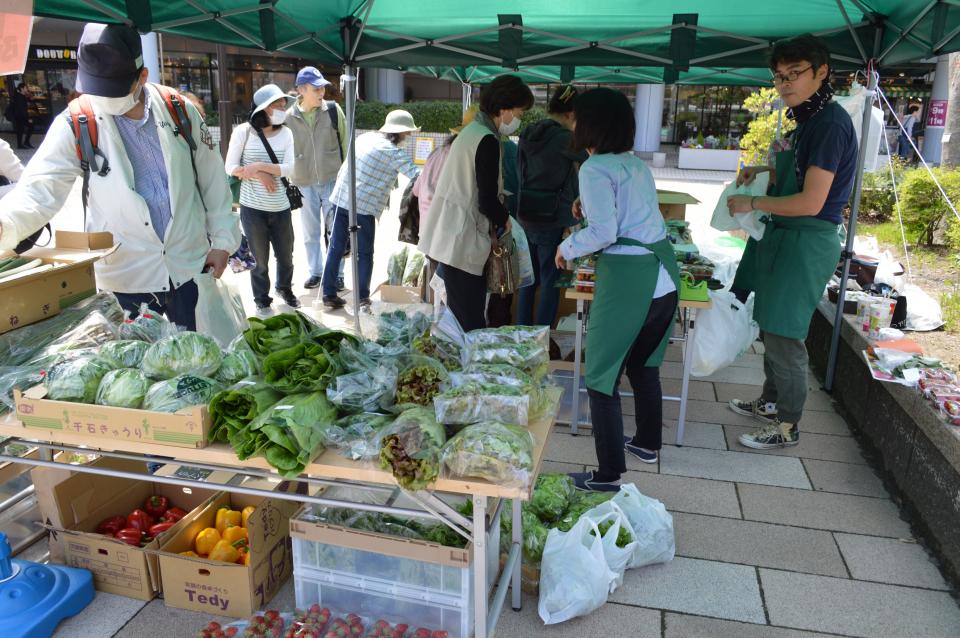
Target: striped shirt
246,148
142,143
378,162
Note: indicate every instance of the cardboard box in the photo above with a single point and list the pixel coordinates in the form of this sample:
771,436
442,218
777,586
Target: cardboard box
224,589
673,204
44,418
34,297
405,294
83,500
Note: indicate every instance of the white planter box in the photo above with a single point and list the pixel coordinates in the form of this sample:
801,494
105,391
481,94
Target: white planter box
709,159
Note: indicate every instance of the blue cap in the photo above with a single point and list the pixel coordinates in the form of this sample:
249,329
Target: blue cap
311,75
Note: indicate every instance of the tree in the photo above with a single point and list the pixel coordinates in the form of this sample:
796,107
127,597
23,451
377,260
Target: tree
761,132
950,155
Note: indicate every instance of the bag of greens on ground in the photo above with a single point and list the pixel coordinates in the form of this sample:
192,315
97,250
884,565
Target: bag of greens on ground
366,391
396,266
531,357
358,436
178,393
289,435
76,377
123,388
473,402
410,448
419,380
183,353
147,326
123,354
305,367
552,496
501,454
233,409
582,502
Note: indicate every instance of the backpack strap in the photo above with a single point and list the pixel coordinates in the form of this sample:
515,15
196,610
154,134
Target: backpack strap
176,106
335,123
84,125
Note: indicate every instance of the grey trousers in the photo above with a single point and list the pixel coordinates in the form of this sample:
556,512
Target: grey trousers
785,366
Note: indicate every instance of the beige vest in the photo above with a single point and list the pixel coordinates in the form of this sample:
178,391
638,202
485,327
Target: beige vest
455,232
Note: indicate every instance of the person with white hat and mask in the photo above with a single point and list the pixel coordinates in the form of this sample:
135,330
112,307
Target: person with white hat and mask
264,206
379,160
167,206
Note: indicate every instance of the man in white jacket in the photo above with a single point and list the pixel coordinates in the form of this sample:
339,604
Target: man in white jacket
169,223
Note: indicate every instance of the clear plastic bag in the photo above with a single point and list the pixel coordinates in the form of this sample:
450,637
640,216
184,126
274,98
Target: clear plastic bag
447,352
531,357
499,453
183,353
123,388
508,335
94,331
369,354
148,326
219,311
184,391
526,274
19,377
357,436
365,391
387,323
496,373
473,402
76,377
414,269
419,381
396,266
123,354
410,448
652,526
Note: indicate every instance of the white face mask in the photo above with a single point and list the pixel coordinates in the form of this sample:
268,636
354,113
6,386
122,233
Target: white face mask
511,128
117,105
278,117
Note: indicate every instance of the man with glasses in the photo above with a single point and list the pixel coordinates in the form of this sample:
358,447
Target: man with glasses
810,183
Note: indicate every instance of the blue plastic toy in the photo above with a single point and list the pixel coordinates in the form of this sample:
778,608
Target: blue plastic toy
35,598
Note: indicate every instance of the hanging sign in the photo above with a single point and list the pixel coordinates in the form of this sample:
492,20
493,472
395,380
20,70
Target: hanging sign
937,115
16,24
422,149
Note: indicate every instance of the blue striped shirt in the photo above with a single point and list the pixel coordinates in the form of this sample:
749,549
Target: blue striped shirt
142,143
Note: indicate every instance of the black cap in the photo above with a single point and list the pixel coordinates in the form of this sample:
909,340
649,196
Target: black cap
109,57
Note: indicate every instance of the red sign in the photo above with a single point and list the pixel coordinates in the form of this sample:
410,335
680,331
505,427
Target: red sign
937,116
16,22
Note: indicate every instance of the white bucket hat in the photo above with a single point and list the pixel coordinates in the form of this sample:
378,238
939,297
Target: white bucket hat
267,95
399,121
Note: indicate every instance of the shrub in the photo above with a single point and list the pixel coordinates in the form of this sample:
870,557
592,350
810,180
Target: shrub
877,203
761,132
924,208
431,117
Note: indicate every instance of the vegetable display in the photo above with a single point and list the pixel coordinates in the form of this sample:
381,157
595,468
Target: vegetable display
444,351
141,526
367,391
124,388
184,353
228,541
473,402
305,367
411,448
123,354
179,393
530,357
76,378
236,366
420,381
499,453
233,409
146,326
396,266
358,436
289,434
399,326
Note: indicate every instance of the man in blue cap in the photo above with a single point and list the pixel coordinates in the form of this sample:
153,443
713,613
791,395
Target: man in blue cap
320,137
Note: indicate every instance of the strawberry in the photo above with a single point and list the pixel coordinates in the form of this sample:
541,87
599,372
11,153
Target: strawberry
402,628
439,634
231,632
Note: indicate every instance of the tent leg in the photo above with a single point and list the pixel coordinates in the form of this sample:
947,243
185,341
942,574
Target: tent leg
847,255
350,94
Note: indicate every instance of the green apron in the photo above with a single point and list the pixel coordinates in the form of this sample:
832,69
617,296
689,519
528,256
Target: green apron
625,287
789,267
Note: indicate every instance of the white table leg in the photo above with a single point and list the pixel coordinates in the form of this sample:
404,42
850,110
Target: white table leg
577,348
689,322
517,533
480,566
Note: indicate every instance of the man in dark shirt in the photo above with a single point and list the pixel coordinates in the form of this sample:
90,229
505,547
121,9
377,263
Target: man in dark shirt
22,123
790,266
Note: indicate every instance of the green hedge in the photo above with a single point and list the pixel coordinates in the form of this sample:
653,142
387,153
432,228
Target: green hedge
431,117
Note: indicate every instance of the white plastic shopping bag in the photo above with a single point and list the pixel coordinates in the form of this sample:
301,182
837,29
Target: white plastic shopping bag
610,519
574,577
219,310
723,333
652,526
527,276
754,223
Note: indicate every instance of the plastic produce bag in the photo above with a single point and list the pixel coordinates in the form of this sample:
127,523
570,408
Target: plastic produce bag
365,391
724,332
414,269
619,541
495,373
76,378
447,352
754,223
923,312
552,496
219,309
574,577
525,271
499,453
148,326
410,448
652,525
473,402
396,266
368,354
123,388
21,377
509,335
123,354
94,331
529,356
358,436
180,392
401,326
419,381
184,353
237,366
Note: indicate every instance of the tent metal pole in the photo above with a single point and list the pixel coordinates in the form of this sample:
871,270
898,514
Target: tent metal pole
350,91
847,254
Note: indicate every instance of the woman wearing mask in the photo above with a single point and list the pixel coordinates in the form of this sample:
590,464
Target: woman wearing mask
467,209
264,207
637,282
548,188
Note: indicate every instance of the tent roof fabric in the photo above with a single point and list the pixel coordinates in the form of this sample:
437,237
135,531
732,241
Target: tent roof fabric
665,40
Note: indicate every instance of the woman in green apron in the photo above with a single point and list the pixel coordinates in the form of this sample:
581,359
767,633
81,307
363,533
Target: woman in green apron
790,266
635,302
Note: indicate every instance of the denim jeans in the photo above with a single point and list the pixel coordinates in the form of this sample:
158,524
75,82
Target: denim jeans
329,214
262,229
338,246
316,202
606,410
178,304
543,249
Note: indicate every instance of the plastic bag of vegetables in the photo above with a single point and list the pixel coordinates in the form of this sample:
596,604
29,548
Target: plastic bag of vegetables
531,357
410,448
147,326
290,434
495,373
76,377
184,353
473,402
396,266
305,367
123,388
552,496
19,377
509,334
419,380
440,349
369,354
400,326
184,391
370,390
237,366
413,269
358,436
233,409
490,450
123,354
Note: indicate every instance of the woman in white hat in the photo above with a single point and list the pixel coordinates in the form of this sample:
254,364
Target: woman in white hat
264,207
379,160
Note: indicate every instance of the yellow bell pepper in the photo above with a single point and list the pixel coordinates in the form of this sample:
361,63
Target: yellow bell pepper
246,514
224,551
190,553
234,535
206,540
227,518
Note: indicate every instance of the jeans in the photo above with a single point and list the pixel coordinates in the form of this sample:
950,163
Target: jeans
605,410
316,203
262,229
466,296
785,367
328,217
178,304
338,246
543,249
904,146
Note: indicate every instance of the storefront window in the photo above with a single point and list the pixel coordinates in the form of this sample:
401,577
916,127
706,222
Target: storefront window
193,72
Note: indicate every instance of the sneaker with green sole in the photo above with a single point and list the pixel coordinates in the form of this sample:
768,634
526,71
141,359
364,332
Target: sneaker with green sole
774,435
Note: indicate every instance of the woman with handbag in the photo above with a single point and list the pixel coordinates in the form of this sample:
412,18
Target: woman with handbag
637,282
467,217
261,155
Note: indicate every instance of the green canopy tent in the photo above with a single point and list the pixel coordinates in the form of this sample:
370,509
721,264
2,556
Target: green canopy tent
662,40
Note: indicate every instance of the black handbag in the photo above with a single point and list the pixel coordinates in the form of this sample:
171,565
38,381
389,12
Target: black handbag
294,196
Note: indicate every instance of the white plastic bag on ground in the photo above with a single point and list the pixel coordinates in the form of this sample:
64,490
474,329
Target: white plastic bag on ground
219,310
923,311
618,558
574,577
652,526
723,333
753,223
527,277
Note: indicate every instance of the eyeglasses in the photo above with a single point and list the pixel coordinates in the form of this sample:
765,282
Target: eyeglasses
790,76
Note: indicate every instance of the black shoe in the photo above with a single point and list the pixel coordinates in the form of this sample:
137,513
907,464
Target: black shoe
334,302
365,302
340,285
313,282
288,297
585,482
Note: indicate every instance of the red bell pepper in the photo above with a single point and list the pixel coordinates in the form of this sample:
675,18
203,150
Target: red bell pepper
129,535
155,506
174,514
139,519
112,525
159,528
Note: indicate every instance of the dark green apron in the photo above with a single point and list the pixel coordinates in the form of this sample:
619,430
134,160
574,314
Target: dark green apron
789,268
625,287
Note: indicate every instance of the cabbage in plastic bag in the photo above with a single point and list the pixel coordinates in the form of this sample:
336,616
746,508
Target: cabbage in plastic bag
499,453
529,356
184,353
123,354
123,388
474,402
366,391
237,366
148,326
180,392
76,378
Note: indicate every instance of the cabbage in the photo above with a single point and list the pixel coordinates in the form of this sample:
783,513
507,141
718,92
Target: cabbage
76,378
180,392
184,353
236,366
124,388
123,354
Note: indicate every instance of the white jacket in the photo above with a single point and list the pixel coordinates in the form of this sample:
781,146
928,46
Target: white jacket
141,263
10,167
